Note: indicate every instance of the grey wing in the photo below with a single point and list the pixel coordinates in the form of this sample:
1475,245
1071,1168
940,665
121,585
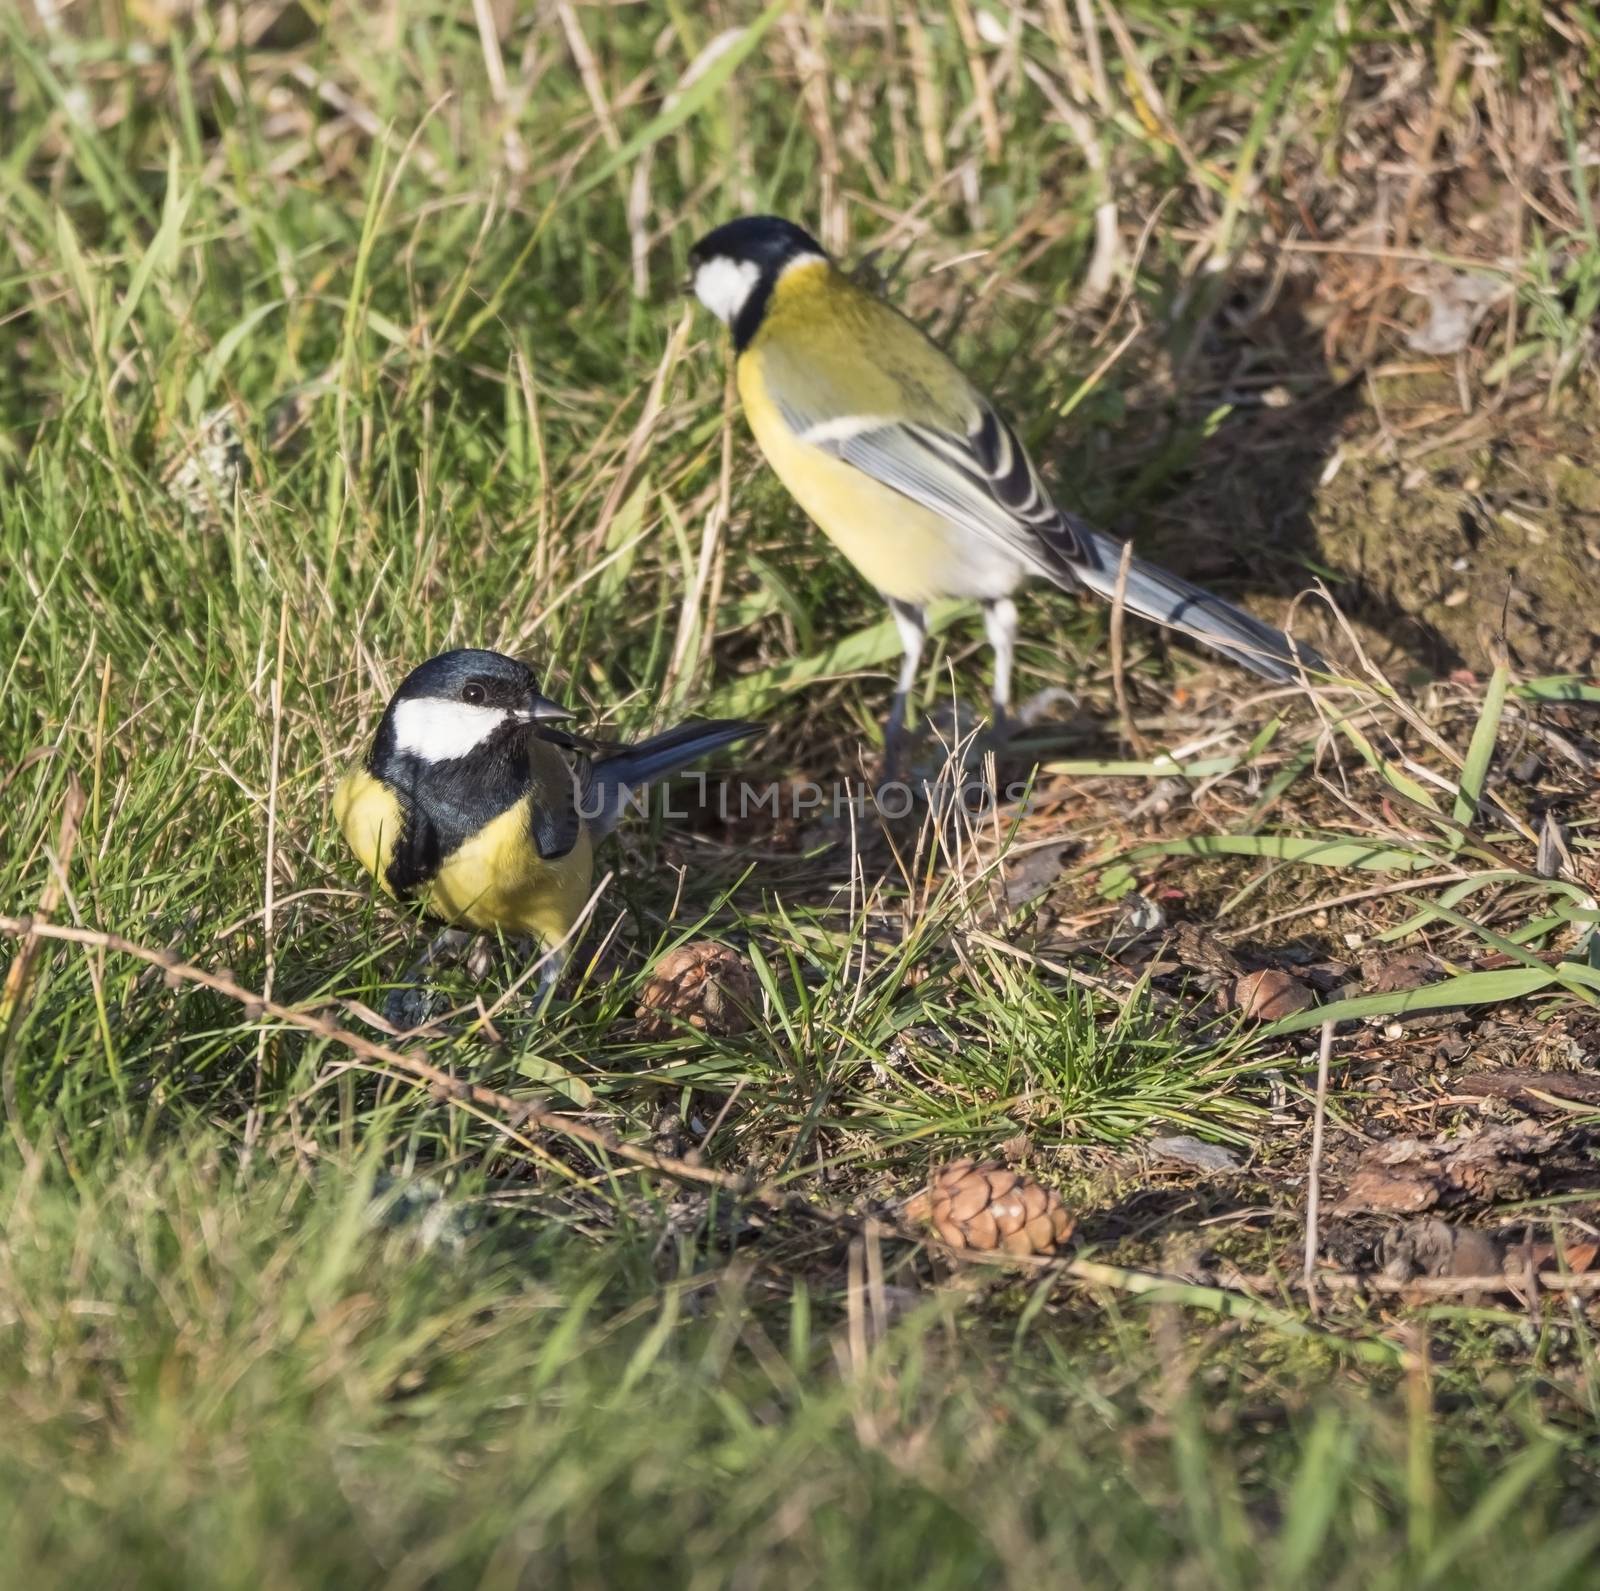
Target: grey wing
981,479
970,468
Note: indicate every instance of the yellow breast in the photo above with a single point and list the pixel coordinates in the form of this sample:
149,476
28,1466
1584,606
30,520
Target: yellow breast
819,327
495,879
903,549
368,815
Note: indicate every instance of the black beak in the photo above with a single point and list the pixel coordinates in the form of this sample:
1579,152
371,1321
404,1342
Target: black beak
541,709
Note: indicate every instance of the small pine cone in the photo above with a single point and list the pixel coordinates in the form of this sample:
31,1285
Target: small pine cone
706,985
990,1209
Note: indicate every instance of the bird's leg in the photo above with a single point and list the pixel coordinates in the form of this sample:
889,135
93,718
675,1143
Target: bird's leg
912,623
549,975
480,958
447,942
1000,624
410,1005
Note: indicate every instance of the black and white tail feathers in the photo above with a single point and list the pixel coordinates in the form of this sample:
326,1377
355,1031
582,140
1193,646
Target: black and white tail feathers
1154,594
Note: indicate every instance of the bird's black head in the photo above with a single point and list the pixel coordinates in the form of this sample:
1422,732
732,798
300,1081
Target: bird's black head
732,270
453,704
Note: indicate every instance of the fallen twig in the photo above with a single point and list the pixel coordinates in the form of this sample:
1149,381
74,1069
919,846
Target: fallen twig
19,975
516,1113
1314,1169
510,1115
1439,1286
1119,684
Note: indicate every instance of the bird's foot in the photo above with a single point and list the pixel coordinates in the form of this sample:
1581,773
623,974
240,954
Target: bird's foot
994,738
893,767
955,726
412,1006
1041,705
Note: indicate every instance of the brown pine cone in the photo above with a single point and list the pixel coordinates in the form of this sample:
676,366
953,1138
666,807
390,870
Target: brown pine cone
990,1209
706,985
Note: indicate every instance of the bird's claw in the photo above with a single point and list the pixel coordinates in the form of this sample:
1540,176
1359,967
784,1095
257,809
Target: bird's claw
411,1007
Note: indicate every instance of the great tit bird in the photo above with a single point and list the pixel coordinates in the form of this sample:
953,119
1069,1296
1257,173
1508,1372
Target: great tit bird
473,803
908,469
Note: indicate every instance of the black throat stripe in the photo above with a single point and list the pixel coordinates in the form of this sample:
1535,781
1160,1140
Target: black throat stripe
754,310
443,804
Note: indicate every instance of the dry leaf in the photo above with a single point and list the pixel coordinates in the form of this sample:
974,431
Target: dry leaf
1455,306
1201,951
1575,1258
1195,1153
1384,972
1271,995
1407,1175
1030,873
1436,1248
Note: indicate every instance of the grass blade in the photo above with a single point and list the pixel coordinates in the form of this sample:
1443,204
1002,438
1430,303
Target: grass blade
865,649
163,251
1470,988
1480,752
686,106
1318,1485
1294,60
1557,688
1493,1508
1509,947
1162,767
1333,850
1394,776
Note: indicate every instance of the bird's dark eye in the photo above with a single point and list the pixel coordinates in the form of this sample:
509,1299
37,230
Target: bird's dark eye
473,694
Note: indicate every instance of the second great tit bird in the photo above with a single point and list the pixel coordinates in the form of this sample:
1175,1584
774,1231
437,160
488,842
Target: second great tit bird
906,467
473,804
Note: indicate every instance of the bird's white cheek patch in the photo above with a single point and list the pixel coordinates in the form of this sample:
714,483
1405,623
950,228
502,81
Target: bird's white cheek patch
434,730
724,286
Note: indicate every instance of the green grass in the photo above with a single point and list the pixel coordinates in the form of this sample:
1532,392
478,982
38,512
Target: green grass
432,283
244,1378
